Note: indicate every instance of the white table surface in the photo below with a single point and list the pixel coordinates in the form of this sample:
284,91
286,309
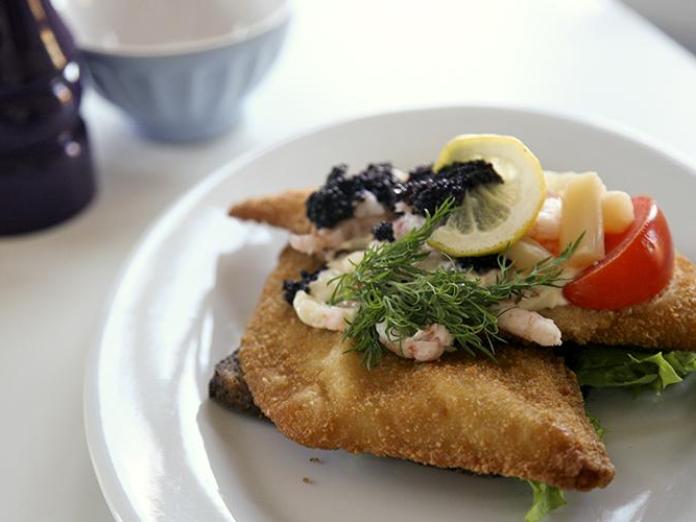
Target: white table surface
594,58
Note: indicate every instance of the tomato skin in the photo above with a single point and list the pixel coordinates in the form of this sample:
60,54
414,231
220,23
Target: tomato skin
638,265
611,241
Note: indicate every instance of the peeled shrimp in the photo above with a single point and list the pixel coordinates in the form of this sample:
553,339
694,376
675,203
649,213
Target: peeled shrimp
530,326
352,234
406,223
317,314
425,345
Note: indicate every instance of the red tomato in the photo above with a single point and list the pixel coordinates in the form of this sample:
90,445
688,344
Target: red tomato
638,265
611,241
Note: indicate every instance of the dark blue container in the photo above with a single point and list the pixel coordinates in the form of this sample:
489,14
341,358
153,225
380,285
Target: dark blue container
45,165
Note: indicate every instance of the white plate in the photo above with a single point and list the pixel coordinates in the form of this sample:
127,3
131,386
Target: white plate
163,451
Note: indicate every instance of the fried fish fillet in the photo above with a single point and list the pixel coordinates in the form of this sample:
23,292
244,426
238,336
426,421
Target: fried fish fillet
229,389
521,416
668,321
285,210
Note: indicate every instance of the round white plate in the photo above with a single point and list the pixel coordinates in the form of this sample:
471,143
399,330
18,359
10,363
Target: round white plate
163,451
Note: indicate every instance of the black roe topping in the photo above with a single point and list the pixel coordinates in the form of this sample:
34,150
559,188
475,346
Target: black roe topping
336,200
480,263
291,287
383,231
425,190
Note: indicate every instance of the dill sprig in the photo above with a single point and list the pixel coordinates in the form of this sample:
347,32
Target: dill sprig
392,288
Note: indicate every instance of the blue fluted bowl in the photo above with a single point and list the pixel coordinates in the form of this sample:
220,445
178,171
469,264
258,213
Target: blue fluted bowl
179,68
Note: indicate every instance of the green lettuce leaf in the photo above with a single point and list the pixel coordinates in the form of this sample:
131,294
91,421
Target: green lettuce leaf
610,368
546,499
633,369
596,425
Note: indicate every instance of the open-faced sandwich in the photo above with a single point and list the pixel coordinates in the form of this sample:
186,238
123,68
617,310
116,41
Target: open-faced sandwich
449,315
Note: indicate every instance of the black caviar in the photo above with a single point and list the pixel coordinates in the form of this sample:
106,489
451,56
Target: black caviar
482,263
383,231
336,200
291,287
426,190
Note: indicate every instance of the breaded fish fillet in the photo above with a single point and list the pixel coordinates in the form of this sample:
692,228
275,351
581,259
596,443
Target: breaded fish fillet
285,210
521,416
667,321
229,388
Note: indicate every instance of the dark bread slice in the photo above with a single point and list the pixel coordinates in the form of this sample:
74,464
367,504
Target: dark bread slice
229,389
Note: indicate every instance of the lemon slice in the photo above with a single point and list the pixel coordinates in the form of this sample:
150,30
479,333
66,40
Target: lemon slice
491,216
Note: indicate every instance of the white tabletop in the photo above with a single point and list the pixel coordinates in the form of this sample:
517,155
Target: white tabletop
593,58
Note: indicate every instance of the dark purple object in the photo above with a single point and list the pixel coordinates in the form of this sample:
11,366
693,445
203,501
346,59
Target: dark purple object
45,165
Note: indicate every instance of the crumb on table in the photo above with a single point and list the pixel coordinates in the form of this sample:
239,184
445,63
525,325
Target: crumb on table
307,480
316,460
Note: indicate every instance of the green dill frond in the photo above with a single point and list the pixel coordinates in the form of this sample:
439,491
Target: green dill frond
392,289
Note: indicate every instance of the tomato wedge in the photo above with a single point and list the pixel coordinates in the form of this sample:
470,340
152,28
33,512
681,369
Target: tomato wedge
638,265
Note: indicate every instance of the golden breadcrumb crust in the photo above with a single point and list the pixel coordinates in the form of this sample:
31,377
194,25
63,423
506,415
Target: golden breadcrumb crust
521,416
667,322
285,210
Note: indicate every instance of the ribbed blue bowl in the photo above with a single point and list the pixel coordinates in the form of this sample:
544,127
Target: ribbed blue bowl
177,94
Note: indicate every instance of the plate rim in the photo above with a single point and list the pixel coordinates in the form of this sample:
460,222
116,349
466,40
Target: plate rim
112,490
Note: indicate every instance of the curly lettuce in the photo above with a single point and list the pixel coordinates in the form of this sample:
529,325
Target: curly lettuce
545,499
599,429
632,369
613,368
